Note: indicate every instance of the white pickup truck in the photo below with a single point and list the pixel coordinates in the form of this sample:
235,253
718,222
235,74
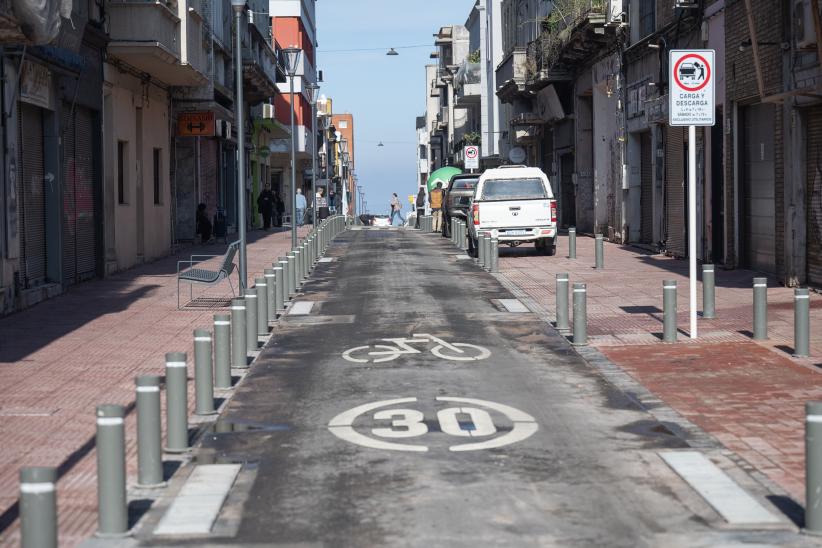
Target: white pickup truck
515,205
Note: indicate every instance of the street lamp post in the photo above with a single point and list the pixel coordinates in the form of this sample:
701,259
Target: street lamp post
345,160
239,7
292,59
312,90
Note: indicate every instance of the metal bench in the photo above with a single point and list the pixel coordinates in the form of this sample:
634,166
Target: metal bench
205,276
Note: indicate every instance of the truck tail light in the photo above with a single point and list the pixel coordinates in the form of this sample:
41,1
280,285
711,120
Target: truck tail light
553,211
475,214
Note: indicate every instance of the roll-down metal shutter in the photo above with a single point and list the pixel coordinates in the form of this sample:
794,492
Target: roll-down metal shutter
31,195
675,190
646,182
814,195
758,205
79,241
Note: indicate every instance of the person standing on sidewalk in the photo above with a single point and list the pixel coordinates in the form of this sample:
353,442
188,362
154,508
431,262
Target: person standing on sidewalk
279,209
435,199
265,204
301,205
322,204
420,206
396,209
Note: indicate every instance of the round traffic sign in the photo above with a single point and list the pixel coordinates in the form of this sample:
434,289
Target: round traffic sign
471,152
692,72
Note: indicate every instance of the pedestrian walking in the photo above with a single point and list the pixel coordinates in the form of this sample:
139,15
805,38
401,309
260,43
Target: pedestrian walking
322,204
435,200
301,205
279,209
265,204
420,206
396,209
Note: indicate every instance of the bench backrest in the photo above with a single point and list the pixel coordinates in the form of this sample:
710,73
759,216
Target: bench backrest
228,260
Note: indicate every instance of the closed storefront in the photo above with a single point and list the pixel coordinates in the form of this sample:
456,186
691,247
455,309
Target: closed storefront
646,183
79,220
814,195
31,195
675,213
757,196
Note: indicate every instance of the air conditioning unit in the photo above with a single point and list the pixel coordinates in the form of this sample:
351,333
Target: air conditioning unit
803,29
268,111
223,129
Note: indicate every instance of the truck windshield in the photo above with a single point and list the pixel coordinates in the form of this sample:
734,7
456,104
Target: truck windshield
513,189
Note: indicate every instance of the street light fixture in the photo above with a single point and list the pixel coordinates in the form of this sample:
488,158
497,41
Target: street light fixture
312,90
292,59
345,158
239,7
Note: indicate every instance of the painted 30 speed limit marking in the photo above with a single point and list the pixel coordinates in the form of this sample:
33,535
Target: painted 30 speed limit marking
468,419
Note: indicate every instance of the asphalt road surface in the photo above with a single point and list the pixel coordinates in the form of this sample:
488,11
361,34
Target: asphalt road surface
475,426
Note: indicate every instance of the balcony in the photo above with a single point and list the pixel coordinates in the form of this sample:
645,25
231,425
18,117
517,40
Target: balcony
259,67
148,36
512,74
570,39
467,86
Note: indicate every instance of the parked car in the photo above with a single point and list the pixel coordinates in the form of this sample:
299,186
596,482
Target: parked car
457,199
381,220
516,205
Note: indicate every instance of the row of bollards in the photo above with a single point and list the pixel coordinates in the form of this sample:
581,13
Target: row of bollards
215,353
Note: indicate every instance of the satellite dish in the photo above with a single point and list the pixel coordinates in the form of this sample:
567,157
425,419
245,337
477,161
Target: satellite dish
517,155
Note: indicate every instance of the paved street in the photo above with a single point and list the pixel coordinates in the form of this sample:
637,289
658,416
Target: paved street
507,437
749,394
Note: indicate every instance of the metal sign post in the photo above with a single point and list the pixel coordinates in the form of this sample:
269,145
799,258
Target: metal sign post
692,102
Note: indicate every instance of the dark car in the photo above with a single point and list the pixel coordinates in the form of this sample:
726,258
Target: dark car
457,199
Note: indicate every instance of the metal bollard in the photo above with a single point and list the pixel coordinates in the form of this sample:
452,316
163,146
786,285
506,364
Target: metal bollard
251,319
760,309
239,357
562,302
270,293
262,306
38,507
149,432
112,510
298,268
600,252
801,322
480,249
279,286
487,241
669,310
572,243
453,230
708,292
813,467
494,266
203,373
176,403
580,337
222,351
291,277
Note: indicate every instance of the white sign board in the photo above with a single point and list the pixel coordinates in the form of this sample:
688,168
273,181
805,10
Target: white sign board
692,91
472,157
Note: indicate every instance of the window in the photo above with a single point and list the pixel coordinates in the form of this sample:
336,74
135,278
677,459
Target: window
122,158
423,152
464,184
514,189
343,124
647,17
158,156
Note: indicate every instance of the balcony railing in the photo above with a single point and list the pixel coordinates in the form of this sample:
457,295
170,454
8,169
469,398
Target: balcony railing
259,67
467,83
512,74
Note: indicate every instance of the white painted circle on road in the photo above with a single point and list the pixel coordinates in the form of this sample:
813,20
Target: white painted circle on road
471,418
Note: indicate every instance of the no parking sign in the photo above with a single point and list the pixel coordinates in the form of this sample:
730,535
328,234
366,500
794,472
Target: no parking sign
692,95
472,157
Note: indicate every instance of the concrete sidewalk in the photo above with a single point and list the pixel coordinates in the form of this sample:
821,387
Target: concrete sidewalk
749,395
61,358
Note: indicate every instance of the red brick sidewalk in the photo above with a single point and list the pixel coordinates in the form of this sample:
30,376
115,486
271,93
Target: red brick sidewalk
749,395
61,358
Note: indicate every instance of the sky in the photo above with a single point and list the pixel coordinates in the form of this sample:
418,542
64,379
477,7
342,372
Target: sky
384,93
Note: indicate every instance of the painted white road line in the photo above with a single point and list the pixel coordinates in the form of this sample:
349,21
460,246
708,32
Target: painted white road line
301,308
513,305
732,502
198,504
524,425
327,260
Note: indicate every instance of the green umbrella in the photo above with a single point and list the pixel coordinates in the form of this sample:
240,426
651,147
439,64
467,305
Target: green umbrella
442,175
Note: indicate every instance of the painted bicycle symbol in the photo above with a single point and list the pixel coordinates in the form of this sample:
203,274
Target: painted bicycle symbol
378,353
